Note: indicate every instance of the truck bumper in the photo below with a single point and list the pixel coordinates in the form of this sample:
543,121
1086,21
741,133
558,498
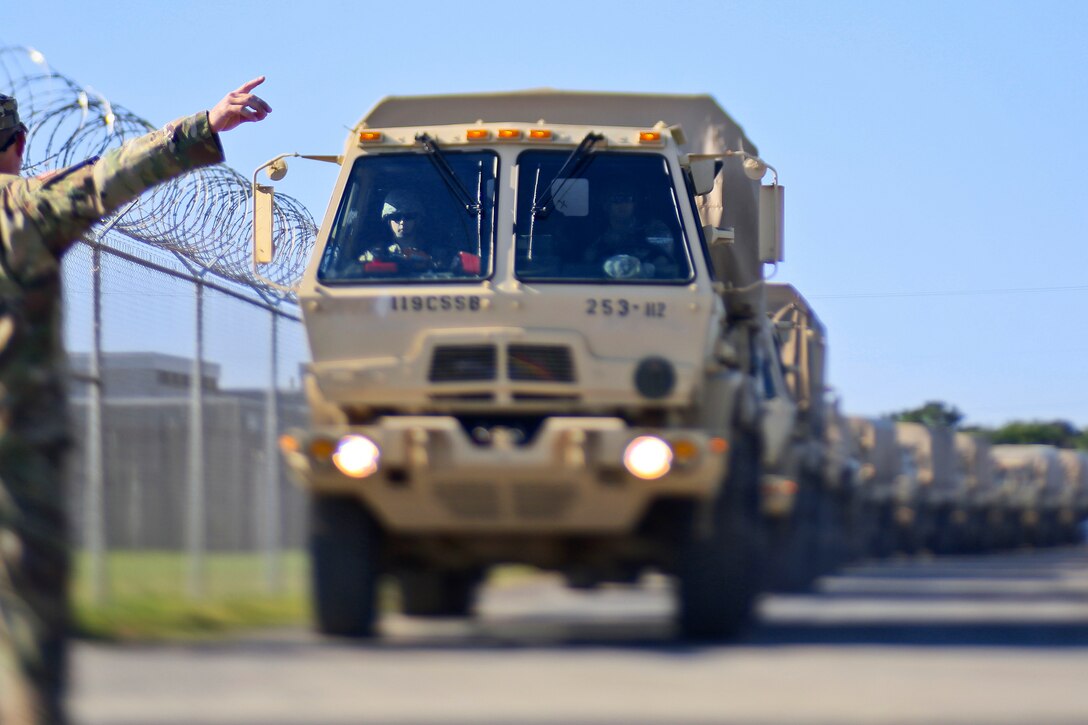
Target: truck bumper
433,478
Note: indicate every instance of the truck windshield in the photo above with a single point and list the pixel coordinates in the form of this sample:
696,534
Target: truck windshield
399,221
617,220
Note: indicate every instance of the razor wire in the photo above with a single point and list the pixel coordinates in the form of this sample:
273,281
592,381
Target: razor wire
200,216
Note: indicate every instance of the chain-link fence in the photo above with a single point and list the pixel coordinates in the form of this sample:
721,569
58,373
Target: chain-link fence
181,385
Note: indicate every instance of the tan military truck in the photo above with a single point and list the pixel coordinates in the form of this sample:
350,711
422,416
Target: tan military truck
1075,510
807,490
887,483
977,513
939,488
538,335
843,465
1034,482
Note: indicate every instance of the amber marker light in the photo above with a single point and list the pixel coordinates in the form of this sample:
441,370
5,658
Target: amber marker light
370,136
477,134
356,456
509,134
718,445
649,137
540,134
321,449
289,444
648,457
685,451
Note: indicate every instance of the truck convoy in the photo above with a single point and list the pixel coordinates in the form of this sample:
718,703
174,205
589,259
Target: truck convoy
540,334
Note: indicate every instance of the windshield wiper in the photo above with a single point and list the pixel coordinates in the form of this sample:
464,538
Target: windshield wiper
446,172
574,163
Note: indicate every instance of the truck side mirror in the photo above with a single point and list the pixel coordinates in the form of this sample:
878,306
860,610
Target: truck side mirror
703,173
771,216
263,204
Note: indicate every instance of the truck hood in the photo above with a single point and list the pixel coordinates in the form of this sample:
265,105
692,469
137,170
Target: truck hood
554,346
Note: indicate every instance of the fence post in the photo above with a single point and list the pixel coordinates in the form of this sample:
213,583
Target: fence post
194,530
272,468
93,504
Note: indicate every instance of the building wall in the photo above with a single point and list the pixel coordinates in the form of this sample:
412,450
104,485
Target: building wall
146,460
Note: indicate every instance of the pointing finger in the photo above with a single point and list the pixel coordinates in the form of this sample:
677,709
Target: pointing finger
250,85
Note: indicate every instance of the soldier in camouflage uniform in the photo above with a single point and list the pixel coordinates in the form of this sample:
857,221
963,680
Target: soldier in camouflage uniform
40,218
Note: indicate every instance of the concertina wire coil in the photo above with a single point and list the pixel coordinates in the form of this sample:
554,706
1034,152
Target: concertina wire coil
201,216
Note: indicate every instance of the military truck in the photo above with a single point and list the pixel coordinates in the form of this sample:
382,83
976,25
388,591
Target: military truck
808,490
887,485
1075,508
976,515
939,487
1034,482
538,333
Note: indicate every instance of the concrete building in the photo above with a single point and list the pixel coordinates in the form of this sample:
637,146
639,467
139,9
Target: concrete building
145,433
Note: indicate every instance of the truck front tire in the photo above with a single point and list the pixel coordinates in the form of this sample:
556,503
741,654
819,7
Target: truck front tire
344,556
719,570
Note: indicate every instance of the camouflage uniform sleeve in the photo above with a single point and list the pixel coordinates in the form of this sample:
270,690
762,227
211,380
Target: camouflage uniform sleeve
39,221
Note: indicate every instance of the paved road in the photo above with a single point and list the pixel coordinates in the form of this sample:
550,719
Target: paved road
999,639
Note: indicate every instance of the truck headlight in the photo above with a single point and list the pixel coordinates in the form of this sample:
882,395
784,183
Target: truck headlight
356,456
648,457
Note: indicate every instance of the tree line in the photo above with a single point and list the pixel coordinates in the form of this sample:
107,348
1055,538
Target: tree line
1060,433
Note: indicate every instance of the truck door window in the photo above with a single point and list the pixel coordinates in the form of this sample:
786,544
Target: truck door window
399,221
617,220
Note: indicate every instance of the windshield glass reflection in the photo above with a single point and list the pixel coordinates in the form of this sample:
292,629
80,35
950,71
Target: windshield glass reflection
400,221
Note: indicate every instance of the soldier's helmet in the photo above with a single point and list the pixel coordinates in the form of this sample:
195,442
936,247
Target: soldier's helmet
401,203
9,120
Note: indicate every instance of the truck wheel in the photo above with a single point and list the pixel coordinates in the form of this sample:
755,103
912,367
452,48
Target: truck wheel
344,553
799,547
438,594
718,572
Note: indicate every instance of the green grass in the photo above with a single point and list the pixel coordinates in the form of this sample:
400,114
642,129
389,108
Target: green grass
147,596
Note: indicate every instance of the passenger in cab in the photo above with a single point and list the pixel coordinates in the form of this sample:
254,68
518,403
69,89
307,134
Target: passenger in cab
629,246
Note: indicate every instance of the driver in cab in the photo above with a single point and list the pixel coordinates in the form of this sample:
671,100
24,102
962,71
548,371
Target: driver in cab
407,249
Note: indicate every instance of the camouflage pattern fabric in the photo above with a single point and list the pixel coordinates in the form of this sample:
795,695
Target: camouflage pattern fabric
39,221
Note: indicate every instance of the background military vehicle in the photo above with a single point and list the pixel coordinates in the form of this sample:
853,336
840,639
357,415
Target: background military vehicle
1075,468
1033,480
932,449
541,338
976,510
887,485
806,490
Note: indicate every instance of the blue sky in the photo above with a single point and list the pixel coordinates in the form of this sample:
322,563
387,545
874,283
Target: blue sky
934,152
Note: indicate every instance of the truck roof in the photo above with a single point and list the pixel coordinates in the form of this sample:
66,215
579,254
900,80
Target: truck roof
707,127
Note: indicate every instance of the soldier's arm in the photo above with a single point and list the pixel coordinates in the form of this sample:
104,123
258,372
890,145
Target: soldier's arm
40,220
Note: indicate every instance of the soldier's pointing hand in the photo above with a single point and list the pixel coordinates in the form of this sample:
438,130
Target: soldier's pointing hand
238,107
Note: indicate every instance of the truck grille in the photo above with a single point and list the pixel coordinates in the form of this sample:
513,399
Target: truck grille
540,363
474,501
470,500
542,502
454,363
524,363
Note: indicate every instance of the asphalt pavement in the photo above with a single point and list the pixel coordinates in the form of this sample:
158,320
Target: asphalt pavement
993,639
